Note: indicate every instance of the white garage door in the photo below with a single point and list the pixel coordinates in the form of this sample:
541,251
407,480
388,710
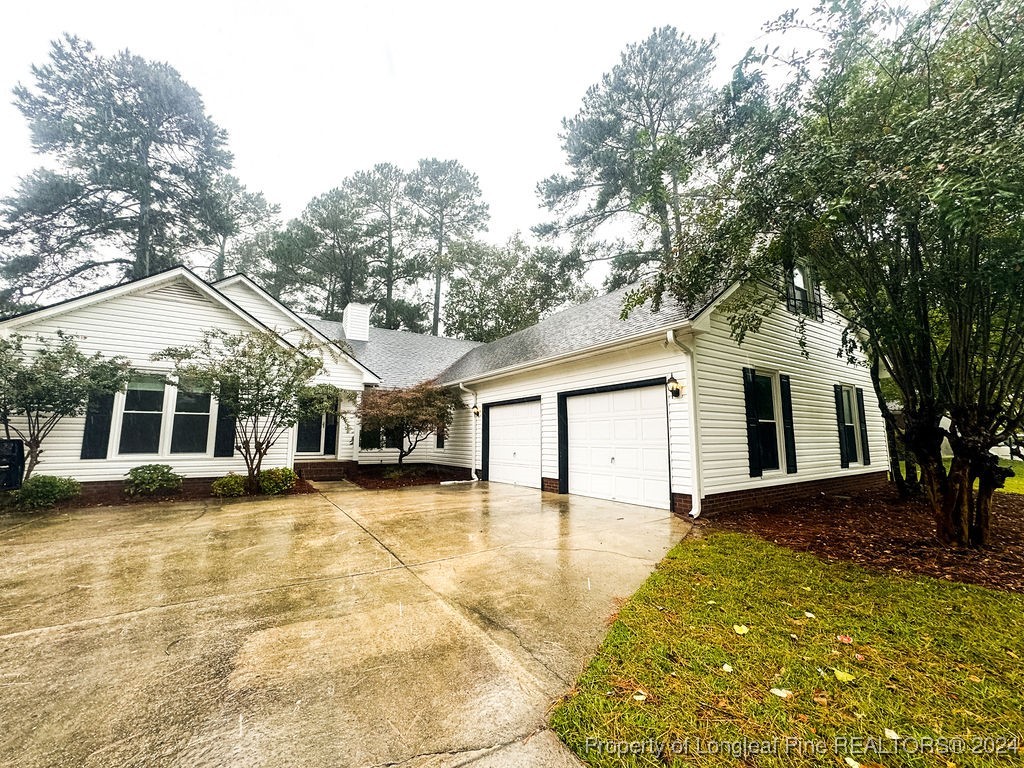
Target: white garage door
618,446
514,447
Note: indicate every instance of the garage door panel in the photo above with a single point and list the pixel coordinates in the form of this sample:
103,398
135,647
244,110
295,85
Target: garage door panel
618,446
514,440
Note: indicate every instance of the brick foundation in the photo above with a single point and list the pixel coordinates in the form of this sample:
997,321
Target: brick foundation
682,504
736,501
324,470
549,484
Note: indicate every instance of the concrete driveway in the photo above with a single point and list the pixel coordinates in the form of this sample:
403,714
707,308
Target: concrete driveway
422,627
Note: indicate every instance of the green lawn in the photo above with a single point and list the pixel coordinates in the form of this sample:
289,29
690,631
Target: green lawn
929,659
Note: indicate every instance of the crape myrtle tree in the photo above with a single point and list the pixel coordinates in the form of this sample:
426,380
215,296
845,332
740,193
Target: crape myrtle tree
500,290
135,156
413,413
449,209
891,163
633,153
265,384
44,381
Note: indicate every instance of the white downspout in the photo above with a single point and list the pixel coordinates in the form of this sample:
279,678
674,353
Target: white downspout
695,442
472,460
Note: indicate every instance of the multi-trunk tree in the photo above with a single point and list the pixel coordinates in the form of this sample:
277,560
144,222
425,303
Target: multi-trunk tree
890,164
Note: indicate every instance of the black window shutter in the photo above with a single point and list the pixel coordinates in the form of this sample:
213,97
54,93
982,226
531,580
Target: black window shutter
753,439
818,309
224,439
844,454
440,435
866,459
98,414
790,291
787,423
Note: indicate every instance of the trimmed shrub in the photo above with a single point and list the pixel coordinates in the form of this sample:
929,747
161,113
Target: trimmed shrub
278,480
151,479
230,485
44,491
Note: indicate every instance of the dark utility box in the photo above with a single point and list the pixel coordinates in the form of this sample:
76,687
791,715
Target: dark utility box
12,464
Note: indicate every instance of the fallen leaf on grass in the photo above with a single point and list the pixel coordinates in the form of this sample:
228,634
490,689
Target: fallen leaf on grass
974,678
782,693
859,656
809,615
846,639
740,629
891,734
639,696
726,668
851,762
821,699
843,677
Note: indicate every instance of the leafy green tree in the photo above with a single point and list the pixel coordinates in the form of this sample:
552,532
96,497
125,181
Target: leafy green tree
389,229
501,290
448,200
267,385
49,380
633,150
891,164
236,216
136,156
415,413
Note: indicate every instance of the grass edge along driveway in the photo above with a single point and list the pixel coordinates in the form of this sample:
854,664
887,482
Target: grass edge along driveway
734,643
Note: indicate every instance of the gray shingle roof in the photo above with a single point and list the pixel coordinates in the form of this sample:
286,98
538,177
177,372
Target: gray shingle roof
399,358
572,330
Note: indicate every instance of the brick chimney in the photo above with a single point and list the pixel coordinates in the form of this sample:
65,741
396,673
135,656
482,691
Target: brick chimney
356,322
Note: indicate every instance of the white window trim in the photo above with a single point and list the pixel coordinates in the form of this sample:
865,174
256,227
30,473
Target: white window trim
779,428
166,426
855,415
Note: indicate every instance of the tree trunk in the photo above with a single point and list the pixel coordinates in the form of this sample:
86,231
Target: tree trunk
435,325
220,265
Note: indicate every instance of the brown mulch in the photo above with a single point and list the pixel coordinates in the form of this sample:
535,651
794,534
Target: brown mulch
877,530
380,477
190,491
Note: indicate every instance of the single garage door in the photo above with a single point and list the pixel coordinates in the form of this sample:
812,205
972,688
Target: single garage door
514,444
618,446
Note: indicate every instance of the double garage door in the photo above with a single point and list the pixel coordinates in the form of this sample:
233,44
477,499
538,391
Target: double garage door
617,445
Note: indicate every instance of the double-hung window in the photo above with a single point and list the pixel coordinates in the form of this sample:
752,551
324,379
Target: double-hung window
851,418
768,401
767,421
803,295
142,418
191,431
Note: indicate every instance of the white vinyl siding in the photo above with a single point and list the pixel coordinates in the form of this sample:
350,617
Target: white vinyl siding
775,347
138,325
639,362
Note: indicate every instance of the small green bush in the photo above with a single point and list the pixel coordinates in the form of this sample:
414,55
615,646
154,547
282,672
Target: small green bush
151,479
44,491
278,480
229,485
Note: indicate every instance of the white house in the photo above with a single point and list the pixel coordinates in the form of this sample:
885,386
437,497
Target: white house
663,409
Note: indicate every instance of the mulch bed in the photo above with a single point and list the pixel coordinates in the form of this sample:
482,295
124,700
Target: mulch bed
877,530
190,491
379,477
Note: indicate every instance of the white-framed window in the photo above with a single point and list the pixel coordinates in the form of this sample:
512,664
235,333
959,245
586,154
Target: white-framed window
851,424
769,420
154,418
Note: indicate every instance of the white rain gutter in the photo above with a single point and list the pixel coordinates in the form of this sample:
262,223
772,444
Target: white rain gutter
472,417
688,348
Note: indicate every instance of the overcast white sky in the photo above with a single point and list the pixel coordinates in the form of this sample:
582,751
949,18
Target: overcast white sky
311,92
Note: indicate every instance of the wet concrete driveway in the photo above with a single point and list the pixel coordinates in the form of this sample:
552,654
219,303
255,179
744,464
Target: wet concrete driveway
421,627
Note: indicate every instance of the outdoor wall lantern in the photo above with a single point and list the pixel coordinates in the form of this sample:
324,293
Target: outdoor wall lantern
476,410
674,387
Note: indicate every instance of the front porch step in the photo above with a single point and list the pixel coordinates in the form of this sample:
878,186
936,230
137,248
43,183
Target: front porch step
324,470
